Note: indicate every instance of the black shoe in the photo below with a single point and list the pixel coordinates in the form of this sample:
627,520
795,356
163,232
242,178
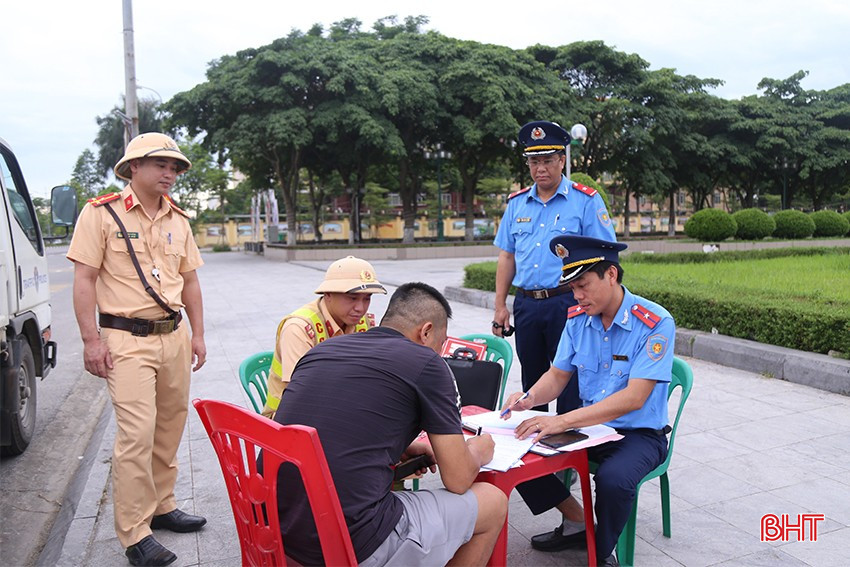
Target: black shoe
557,541
178,521
149,552
609,561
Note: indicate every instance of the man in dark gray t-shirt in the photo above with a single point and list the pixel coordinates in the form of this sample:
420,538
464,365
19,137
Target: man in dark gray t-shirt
369,395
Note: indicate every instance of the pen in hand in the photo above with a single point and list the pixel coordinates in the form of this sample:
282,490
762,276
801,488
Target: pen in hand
507,410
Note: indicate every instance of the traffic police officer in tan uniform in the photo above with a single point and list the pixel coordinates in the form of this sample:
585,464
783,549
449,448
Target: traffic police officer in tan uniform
341,310
142,346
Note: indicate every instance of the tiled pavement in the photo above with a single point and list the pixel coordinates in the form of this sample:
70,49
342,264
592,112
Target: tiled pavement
747,445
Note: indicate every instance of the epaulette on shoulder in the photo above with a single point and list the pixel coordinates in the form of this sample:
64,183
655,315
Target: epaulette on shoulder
575,311
589,191
175,207
520,192
646,316
103,199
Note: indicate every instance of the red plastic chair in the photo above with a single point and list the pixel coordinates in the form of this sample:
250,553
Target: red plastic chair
237,436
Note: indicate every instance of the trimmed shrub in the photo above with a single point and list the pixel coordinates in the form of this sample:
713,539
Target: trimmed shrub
221,248
753,224
829,223
480,276
847,216
815,328
587,180
711,225
793,224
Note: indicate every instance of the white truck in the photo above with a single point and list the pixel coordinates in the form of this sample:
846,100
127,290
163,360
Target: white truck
26,351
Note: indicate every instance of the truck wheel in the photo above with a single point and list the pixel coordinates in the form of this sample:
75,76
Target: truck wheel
22,423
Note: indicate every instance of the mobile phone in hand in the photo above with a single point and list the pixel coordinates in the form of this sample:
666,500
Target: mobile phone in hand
410,466
561,439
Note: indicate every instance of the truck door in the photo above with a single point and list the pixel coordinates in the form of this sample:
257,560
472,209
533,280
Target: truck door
29,288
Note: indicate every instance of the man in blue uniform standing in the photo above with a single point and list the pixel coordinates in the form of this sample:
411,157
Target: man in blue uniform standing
552,206
621,347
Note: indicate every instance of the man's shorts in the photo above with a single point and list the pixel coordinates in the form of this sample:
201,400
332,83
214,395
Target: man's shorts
434,524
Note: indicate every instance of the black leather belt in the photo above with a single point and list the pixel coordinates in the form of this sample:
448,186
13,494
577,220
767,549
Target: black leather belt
141,327
543,293
667,429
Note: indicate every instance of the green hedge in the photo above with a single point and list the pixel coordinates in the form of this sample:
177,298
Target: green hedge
480,276
829,223
802,326
753,224
711,225
793,224
847,216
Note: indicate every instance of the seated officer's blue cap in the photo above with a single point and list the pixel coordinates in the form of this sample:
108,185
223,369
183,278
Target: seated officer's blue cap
542,138
580,253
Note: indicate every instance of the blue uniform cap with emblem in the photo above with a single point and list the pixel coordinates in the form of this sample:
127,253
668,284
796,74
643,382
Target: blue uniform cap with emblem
580,253
542,138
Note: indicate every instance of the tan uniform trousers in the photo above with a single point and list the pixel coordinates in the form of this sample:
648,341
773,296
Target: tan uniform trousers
149,386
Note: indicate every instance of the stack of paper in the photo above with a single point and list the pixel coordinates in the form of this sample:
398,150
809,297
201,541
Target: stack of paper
491,422
507,446
509,450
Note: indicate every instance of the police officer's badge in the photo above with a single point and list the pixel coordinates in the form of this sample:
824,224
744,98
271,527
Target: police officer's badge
561,251
602,215
538,133
366,276
655,346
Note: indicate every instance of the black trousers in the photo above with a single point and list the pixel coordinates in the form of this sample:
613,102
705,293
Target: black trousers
622,465
539,324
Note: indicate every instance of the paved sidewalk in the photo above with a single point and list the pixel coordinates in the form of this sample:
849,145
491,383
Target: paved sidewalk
746,446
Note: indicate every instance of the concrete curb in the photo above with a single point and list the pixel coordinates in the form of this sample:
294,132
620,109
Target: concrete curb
810,369
72,532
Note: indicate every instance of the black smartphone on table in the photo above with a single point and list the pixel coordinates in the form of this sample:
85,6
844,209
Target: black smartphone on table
562,439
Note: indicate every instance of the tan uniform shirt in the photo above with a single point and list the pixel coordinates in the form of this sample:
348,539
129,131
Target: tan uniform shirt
164,243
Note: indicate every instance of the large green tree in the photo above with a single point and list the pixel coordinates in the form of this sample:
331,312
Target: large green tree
605,98
487,92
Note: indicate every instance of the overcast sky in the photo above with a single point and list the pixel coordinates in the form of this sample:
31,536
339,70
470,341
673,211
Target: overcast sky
62,62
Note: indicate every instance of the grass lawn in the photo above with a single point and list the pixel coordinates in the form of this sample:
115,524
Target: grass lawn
821,280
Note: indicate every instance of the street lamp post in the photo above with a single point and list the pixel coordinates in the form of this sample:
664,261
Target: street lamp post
578,133
439,154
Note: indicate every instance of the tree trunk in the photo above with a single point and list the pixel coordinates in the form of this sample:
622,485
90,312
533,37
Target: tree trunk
671,219
627,214
407,191
469,214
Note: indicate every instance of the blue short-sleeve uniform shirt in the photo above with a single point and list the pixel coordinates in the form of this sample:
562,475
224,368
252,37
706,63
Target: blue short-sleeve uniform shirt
529,224
605,360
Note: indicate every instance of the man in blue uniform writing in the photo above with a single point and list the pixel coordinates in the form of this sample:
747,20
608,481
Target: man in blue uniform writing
620,346
552,206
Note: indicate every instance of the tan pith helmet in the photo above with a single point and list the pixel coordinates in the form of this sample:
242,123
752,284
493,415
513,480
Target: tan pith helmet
351,275
151,144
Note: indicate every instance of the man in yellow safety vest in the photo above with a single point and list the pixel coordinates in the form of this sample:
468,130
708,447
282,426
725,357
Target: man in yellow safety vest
342,308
